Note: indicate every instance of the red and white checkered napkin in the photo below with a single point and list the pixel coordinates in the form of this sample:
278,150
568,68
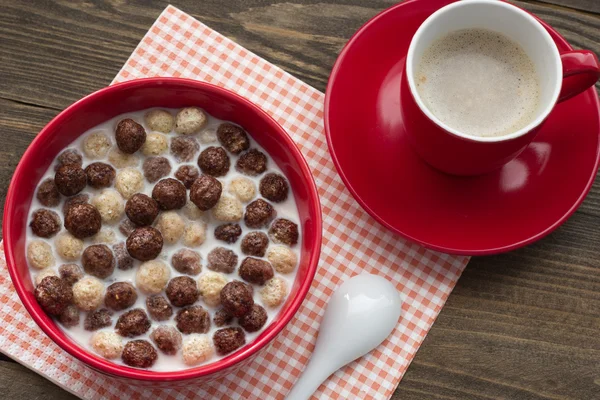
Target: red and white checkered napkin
178,45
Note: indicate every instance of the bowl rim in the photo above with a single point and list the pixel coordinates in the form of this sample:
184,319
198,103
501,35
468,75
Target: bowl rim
107,366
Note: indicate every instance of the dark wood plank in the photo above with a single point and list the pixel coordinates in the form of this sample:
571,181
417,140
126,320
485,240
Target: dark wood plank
18,382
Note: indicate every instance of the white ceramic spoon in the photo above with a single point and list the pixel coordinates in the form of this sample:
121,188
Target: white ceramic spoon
361,313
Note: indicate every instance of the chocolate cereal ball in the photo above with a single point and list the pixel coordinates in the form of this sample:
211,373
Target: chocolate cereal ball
190,120
253,162
170,194
236,298
39,255
242,188
227,340
210,286
284,231
228,209
283,259
222,318
229,233
144,243
120,295
68,246
100,175
139,354
171,226
205,192
96,145
255,244
221,259
109,204
214,161
122,160
122,258
155,168
184,148
77,199
47,193
142,210
187,174
98,260
233,138
167,339
68,157
158,307
130,136
155,144
194,234
256,271
196,349
83,220
133,323
70,273
152,277
70,179
88,293
53,294
274,187
259,214
193,319
274,292
187,261
45,223
70,316
254,320
129,182
97,320
182,291
159,120
107,343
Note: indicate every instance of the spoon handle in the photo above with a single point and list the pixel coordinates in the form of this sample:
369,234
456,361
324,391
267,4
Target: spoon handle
313,375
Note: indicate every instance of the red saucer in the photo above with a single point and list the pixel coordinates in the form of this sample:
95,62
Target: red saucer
524,201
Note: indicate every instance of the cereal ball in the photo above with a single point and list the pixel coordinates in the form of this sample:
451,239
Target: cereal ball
47,193
284,231
236,298
109,204
77,199
254,320
222,318
190,120
155,168
283,259
145,243
259,214
208,135
256,271
68,246
108,344
229,339
167,339
170,194
98,260
192,212
122,258
70,316
243,188
182,291
158,307
184,148
129,181
152,277
193,319
53,294
96,145
126,227
97,320
83,220
229,233
205,192
255,244
274,292
194,234
39,255
233,138
221,259
155,145
274,187
45,223
253,162
187,174
70,273
159,120
197,349
142,210
100,175
88,293
130,136
69,157
139,354
228,209
44,273
171,225
214,161
105,236
133,323
122,160
210,286
187,261
120,295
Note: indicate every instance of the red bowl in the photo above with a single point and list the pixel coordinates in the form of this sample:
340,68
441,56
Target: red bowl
137,95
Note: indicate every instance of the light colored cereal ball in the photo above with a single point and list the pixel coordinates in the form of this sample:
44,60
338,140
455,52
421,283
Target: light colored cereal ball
210,286
228,209
122,160
190,120
208,136
44,273
129,182
159,120
110,205
68,246
88,293
107,343
243,188
197,349
282,258
171,226
152,276
155,144
96,145
106,236
39,255
192,212
194,234
274,292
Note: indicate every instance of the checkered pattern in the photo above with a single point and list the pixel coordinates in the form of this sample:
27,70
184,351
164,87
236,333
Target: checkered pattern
178,45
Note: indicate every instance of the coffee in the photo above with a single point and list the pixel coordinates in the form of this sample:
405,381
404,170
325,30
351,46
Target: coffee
479,82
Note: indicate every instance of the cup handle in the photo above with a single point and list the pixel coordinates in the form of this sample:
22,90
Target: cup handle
581,70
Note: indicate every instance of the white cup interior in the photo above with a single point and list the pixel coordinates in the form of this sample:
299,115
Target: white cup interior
503,18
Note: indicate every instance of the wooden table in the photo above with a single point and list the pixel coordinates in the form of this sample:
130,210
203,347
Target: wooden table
524,325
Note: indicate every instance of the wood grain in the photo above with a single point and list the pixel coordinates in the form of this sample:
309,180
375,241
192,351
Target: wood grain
523,325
